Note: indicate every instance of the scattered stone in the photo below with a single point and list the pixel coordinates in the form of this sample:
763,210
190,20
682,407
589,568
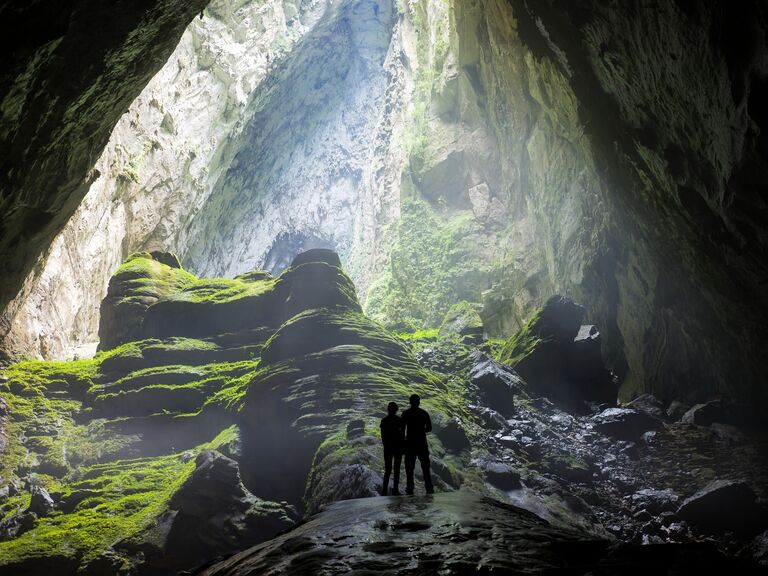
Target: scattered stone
41,503
655,501
187,456
453,436
649,404
624,423
676,410
496,385
705,414
724,505
490,418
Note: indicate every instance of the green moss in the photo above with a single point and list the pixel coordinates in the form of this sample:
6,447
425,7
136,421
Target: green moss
131,494
521,344
431,267
426,334
141,276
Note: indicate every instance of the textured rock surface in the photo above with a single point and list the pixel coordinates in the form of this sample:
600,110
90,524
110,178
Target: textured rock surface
162,161
489,151
63,90
452,534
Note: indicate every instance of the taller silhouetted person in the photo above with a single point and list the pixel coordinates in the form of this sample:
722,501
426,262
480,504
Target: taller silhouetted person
392,439
417,424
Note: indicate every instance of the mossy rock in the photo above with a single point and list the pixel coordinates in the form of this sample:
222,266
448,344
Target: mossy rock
462,319
149,299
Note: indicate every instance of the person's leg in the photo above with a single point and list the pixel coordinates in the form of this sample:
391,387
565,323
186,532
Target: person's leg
387,470
424,459
396,477
410,464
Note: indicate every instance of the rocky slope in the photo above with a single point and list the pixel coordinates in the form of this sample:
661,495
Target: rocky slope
485,151
221,411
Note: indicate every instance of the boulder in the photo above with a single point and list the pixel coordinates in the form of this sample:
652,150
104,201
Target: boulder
676,410
649,404
41,503
499,474
453,436
561,359
655,501
705,414
725,506
212,513
355,428
462,319
559,319
317,255
497,386
624,423
16,524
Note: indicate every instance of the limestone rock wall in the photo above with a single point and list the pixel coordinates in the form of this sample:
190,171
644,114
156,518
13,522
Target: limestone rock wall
318,163
62,89
159,166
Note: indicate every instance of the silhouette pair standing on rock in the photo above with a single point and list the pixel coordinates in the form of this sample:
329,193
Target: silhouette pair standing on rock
406,435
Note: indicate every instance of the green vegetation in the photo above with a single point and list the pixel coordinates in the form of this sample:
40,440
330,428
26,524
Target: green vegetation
521,344
432,267
124,497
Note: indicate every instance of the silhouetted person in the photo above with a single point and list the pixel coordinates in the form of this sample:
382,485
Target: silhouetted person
417,424
392,439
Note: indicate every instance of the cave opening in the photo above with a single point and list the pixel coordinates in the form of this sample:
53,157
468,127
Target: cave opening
232,231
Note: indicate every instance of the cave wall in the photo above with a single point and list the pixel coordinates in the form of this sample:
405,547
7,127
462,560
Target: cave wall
627,160
63,89
317,164
670,97
161,162
501,151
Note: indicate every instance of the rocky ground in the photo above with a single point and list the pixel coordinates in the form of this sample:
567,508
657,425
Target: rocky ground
222,412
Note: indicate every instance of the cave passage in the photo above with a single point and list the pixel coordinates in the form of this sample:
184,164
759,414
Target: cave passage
232,232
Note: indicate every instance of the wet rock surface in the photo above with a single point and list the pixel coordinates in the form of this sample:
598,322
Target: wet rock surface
453,534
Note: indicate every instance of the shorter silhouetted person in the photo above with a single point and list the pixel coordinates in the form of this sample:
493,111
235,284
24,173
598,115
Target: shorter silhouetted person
417,424
392,439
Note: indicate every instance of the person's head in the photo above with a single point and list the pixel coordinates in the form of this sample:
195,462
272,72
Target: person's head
392,408
415,400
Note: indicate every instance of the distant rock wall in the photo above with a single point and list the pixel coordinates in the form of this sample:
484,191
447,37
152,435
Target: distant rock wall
161,163
63,87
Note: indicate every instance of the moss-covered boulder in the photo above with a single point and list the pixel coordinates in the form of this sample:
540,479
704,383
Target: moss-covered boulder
462,319
142,280
558,359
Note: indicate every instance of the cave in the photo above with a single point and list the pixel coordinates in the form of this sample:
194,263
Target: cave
233,231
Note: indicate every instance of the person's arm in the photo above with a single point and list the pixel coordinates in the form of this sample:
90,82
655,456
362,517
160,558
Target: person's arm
428,424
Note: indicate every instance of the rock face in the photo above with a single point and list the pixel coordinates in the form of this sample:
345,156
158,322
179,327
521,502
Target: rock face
160,164
63,90
454,534
560,358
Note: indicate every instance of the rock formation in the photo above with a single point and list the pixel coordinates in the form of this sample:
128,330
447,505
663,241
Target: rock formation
221,411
